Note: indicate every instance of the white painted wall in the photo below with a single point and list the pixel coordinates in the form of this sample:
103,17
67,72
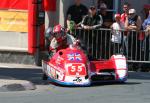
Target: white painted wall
13,41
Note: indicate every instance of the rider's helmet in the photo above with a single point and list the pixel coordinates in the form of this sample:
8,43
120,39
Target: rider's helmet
59,33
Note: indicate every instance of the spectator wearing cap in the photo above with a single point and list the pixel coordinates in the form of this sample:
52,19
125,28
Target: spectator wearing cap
133,25
105,16
133,21
100,3
124,15
116,39
104,37
92,20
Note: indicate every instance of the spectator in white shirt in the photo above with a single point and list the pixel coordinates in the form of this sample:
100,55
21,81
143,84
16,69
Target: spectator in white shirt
116,39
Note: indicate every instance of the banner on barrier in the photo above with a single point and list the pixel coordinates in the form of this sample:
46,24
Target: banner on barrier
14,21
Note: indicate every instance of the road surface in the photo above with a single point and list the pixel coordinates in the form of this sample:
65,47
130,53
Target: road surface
136,90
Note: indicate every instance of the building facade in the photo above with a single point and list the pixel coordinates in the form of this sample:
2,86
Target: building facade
113,5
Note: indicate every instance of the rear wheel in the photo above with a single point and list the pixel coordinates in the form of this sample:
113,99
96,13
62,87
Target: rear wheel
122,82
44,77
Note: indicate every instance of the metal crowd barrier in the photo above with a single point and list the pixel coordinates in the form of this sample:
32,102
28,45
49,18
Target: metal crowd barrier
134,45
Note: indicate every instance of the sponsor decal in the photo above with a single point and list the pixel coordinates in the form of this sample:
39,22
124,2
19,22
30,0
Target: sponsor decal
59,75
56,67
59,60
51,72
74,57
78,80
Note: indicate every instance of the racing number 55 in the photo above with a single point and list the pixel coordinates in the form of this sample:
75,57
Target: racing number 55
77,68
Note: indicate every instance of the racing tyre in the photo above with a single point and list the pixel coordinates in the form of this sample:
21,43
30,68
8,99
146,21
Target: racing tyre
44,77
122,82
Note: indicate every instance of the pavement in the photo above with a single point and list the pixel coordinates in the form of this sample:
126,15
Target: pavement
16,57
9,83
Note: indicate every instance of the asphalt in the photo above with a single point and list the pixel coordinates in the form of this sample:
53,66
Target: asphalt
16,85
135,90
21,77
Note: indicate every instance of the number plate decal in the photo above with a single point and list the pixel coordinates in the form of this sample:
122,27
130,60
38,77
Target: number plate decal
76,69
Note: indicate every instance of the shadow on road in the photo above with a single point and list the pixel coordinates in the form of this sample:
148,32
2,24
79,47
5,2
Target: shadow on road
101,84
33,75
139,75
115,83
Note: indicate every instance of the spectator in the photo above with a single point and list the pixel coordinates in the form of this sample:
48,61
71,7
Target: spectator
133,25
106,18
146,25
124,15
100,3
92,20
117,35
71,27
133,21
144,49
104,37
76,12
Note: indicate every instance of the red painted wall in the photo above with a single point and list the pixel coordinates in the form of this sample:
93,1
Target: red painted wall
49,5
14,4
